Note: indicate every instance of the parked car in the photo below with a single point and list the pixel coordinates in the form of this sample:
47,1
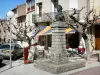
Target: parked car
16,50
1,59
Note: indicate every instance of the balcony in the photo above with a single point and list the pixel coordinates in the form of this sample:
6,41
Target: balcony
49,17
45,17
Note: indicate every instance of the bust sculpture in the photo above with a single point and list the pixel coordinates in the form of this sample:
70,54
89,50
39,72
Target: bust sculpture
59,16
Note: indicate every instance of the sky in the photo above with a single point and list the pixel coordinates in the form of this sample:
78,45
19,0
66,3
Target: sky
7,5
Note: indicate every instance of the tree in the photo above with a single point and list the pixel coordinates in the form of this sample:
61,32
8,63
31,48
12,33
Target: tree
82,27
22,31
74,22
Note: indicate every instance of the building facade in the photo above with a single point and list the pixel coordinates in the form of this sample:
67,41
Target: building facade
95,29
45,10
43,7
2,33
30,11
41,13
21,13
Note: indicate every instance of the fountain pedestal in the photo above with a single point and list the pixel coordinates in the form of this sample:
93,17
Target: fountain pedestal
58,61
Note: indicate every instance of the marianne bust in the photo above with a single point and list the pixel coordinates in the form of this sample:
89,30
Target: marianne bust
59,16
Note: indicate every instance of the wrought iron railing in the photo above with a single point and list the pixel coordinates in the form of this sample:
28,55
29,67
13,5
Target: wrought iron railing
49,17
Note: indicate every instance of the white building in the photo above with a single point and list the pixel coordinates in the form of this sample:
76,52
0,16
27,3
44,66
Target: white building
47,6
30,11
2,34
45,10
44,7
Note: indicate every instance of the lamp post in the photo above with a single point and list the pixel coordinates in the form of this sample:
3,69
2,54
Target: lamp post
10,15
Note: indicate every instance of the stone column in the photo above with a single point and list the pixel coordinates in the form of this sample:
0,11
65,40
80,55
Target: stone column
58,49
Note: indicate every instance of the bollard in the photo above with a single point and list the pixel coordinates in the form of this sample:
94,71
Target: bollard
26,54
99,57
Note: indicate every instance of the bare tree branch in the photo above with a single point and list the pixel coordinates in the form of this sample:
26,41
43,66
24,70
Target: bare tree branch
49,17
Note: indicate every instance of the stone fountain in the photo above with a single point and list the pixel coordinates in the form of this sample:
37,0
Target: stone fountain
58,61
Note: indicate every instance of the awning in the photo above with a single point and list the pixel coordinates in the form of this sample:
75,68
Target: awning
45,30
70,30
33,33
41,29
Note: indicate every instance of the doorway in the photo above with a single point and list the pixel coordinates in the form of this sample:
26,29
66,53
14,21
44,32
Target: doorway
97,37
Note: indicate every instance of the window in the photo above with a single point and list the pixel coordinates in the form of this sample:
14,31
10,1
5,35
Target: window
73,40
28,6
5,46
49,40
40,9
17,46
33,7
32,4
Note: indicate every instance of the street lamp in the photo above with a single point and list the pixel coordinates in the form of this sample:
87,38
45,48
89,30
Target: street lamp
10,15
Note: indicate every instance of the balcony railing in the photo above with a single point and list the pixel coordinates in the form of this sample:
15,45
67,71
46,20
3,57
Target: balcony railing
49,17
45,17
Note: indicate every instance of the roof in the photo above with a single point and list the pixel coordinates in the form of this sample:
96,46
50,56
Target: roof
13,9
21,4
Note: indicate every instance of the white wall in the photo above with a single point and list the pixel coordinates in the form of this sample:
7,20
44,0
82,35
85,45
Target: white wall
82,3
95,4
73,4
29,18
64,4
46,5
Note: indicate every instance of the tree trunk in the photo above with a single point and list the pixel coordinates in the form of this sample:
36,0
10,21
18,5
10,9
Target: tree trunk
86,45
87,49
29,42
86,40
